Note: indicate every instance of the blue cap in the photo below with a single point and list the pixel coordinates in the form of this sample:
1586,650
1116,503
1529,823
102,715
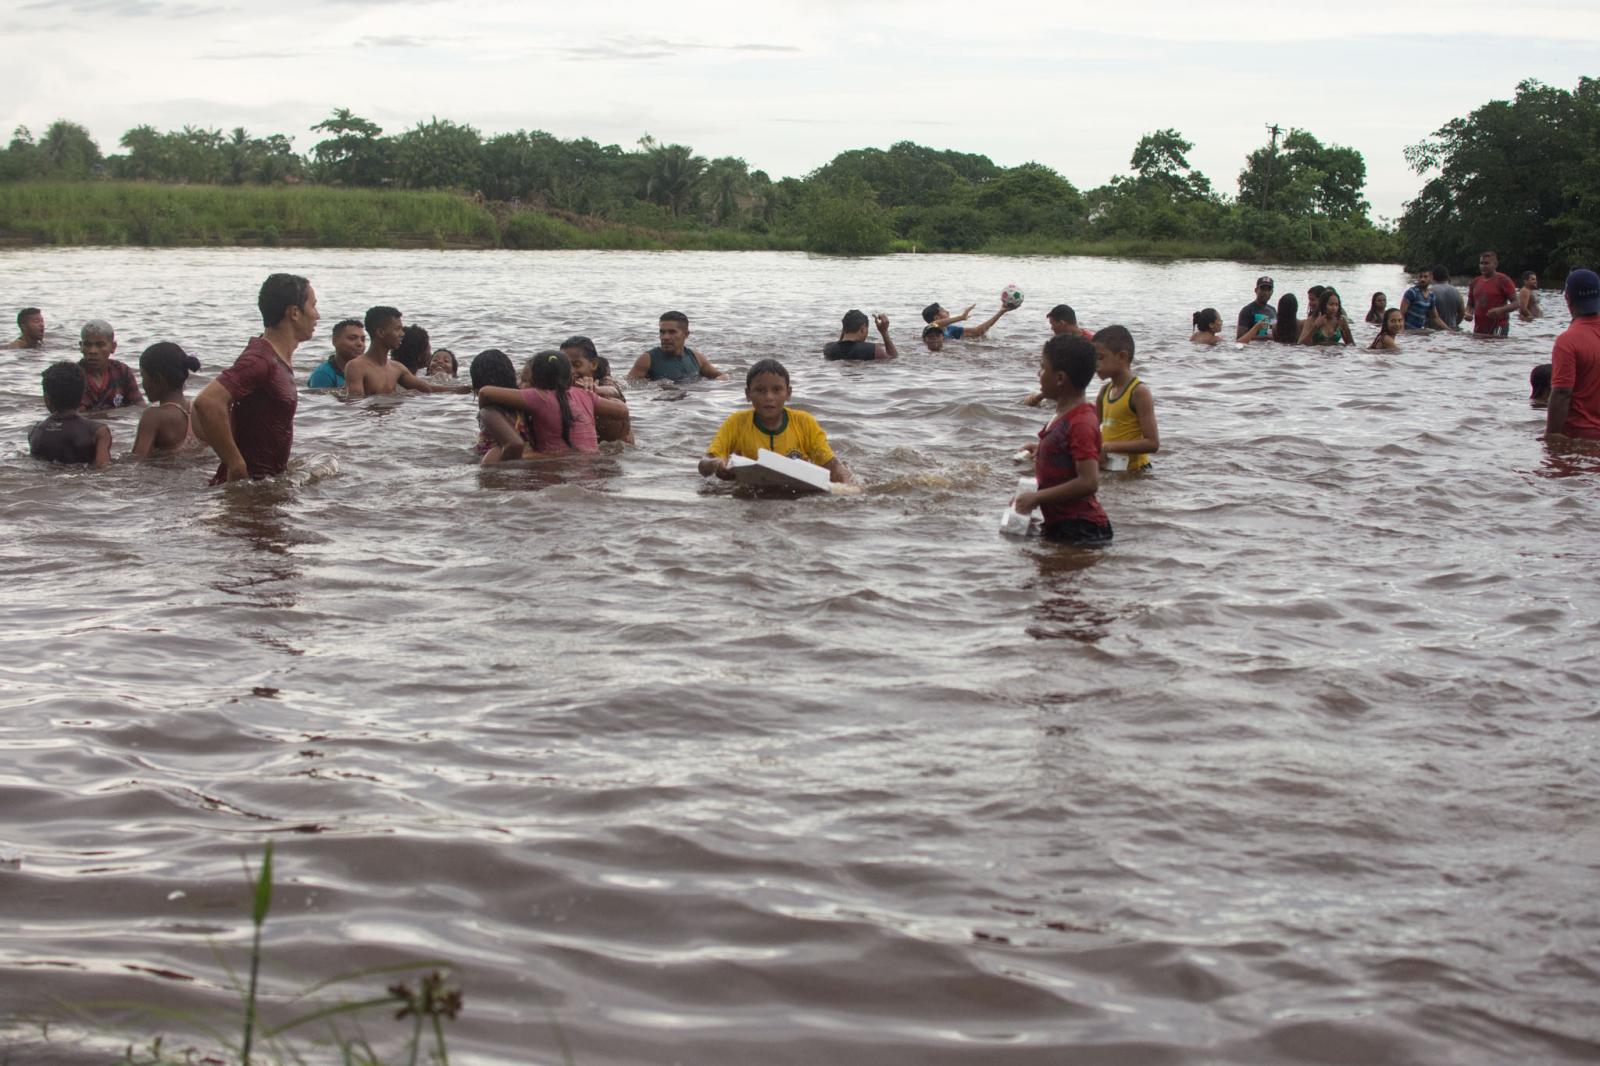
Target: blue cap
1583,291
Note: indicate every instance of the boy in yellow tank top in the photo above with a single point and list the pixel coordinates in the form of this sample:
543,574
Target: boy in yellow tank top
1128,432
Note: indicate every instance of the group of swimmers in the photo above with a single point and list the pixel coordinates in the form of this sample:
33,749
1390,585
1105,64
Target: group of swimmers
1432,303
565,399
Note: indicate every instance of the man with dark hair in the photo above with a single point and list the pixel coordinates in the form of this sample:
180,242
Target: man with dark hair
1574,409
1491,298
1258,311
937,318
30,327
247,412
673,359
853,344
349,341
1447,301
1063,319
373,373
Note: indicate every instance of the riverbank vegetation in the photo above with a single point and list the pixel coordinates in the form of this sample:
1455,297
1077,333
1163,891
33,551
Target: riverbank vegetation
1520,176
444,184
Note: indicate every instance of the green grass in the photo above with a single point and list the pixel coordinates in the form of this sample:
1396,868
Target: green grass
424,1005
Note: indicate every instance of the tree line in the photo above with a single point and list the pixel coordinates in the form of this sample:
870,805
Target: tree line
1517,175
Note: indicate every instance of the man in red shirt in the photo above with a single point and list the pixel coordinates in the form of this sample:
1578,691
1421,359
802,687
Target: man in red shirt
1575,364
247,413
1491,298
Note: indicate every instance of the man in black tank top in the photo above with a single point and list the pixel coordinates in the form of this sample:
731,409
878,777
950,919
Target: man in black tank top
853,344
66,436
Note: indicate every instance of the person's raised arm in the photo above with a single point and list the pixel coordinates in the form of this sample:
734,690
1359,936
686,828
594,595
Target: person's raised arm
500,396
211,422
706,369
102,445
978,331
886,350
641,368
605,406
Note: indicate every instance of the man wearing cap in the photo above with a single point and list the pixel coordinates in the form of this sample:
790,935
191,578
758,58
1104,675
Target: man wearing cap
1574,409
1260,310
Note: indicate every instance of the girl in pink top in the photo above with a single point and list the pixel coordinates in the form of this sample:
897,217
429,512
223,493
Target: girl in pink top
559,418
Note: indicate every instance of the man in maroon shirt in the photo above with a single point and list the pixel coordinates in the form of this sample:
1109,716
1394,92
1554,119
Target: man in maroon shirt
1491,298
247,413
1575,364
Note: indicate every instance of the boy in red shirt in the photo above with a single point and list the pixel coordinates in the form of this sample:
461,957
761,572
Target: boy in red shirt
1066,460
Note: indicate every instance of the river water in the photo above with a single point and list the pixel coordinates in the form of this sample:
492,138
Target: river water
1300,770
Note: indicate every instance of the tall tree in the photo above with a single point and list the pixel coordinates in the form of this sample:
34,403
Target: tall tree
1162,159
354,153
1305,177
438,155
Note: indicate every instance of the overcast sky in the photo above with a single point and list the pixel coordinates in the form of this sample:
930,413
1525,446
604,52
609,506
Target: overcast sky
787,85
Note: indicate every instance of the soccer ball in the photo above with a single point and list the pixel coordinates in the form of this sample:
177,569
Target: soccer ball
1011,297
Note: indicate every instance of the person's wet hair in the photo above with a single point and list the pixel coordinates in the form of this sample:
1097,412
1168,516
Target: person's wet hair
168,362
27,312
63,386
1324,296
930,312
1073,356
1441,273
1117,338
97,327
1286,330
1539,382
279,293
380,316
929,331
1064,314
854,320
676,316
492,367
602,365
413,349
1526,274
766,366
1203,318
553,371
344,324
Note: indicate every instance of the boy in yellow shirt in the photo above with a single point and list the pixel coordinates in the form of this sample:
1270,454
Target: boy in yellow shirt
1128,432
772,425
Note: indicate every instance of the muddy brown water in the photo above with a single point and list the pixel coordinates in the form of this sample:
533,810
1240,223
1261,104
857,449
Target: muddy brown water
1300,770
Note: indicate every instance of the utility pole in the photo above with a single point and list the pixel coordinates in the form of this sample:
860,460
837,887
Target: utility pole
1272,154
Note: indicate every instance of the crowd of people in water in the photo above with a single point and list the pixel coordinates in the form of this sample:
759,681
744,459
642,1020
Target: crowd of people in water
567,399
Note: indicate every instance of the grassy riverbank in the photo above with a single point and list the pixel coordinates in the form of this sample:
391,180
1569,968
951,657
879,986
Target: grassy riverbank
152,215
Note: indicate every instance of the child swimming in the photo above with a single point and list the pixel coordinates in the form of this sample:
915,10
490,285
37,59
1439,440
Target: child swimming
1207,323
1394,324
559,418
772,425
168,424
1066,458
1126,406
498,438
66,436
591,370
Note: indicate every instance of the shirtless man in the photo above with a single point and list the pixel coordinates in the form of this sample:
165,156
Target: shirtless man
673,360
30,321
373,373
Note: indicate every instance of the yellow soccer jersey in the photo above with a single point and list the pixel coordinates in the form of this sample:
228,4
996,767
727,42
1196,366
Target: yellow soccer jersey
798,438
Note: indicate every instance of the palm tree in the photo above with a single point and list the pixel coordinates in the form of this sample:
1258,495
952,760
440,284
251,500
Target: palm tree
675,174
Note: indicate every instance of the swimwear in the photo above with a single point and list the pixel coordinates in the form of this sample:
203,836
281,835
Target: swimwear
65,438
